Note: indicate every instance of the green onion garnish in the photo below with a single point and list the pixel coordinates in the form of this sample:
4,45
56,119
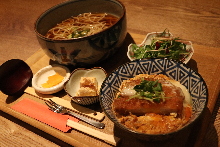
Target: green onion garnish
149,90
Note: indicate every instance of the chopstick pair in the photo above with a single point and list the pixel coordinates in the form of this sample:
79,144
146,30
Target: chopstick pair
111,139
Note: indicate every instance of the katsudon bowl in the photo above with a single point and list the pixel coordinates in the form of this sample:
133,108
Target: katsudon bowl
79,49
190,79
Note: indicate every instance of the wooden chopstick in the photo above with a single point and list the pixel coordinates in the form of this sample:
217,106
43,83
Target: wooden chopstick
111,139
72,106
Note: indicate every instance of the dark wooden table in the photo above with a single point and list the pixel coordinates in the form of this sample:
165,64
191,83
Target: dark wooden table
197,21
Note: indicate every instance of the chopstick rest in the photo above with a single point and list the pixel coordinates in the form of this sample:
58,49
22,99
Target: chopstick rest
41,112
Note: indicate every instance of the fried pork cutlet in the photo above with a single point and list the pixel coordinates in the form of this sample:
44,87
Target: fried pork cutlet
173,102
138,111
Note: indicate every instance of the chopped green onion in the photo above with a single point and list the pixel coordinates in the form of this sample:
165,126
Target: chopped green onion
79,32
149,90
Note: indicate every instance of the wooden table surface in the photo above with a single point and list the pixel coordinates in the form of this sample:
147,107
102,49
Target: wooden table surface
197,21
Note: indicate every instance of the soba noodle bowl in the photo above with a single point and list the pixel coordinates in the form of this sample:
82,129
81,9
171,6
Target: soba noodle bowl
85,24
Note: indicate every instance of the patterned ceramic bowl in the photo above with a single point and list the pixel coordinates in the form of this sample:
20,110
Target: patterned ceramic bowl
83,51
73,84
177,71
148,39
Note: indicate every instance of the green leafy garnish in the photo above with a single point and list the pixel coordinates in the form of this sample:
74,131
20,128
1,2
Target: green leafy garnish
161,46
79,32
149,90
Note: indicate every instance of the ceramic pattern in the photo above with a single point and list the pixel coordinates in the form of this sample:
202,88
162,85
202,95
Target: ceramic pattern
177,71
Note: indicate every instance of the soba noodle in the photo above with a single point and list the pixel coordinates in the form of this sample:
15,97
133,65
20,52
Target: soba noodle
83,25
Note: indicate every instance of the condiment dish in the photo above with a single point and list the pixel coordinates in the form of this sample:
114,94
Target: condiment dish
41,78
73,84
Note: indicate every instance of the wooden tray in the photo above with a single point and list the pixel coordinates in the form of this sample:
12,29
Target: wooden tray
209,70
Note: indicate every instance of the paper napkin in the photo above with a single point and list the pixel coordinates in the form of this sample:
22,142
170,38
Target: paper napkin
41,112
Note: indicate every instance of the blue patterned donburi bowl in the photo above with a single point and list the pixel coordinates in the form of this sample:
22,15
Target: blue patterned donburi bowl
177,71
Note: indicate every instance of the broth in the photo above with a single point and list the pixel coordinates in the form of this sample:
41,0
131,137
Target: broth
85,24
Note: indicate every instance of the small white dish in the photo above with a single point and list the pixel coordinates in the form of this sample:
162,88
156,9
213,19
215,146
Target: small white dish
42,75
73,84
147,41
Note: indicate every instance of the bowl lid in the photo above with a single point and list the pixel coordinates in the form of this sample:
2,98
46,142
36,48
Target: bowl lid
15,76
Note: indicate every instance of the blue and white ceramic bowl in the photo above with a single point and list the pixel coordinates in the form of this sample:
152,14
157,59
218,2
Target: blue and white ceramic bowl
177,71
83,51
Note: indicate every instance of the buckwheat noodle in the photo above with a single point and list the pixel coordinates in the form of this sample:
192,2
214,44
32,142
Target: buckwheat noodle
86,24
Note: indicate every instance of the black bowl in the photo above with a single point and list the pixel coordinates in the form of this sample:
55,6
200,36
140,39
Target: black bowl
88,50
